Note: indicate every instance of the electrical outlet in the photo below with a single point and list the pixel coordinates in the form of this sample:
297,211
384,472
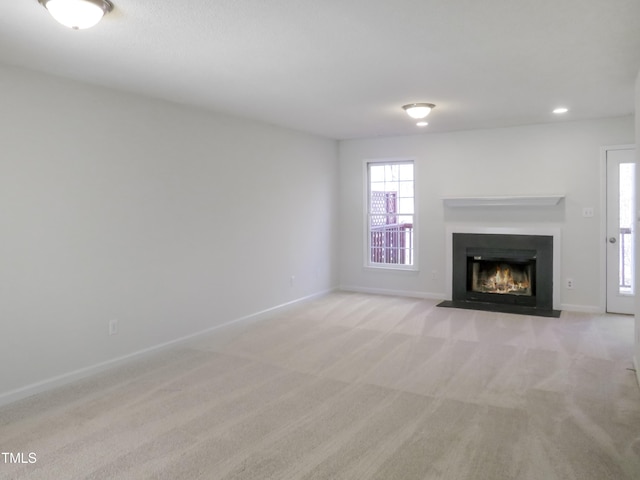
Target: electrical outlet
113,326
570,283
587,212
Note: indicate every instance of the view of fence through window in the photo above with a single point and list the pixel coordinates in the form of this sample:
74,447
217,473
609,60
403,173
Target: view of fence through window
391,212
627,203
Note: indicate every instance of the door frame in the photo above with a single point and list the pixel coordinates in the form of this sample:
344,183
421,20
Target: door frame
603,218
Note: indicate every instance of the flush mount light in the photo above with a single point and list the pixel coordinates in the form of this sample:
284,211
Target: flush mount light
560,110
77,14
418,110
422,124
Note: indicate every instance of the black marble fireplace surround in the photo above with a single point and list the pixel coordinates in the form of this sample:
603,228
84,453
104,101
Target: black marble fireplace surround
503,273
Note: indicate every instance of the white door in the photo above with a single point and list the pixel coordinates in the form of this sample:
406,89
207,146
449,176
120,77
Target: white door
621,214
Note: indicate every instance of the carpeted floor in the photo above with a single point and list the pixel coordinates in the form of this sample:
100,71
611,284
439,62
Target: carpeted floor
352,386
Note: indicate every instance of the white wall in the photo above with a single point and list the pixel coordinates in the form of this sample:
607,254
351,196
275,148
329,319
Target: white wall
170,219
556,158
637,331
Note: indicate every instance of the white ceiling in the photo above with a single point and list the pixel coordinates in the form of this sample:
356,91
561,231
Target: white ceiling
343,68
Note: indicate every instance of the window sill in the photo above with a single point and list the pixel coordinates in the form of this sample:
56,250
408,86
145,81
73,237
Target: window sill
392,268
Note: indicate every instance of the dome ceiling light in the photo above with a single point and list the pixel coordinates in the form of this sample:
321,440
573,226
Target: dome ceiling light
418,110
77,14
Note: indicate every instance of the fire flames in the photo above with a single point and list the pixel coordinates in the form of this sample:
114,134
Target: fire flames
503,282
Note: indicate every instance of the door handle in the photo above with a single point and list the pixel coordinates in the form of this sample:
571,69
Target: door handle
613,239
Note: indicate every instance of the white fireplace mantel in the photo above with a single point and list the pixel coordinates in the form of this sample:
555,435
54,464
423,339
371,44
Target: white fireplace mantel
504,201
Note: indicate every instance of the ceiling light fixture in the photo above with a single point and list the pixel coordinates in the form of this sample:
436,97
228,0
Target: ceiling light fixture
77,14
418,110
560,110
422,124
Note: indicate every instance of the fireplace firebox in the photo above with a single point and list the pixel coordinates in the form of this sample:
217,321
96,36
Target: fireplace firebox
505,273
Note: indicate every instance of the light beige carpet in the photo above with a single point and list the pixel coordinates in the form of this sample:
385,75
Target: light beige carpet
352,386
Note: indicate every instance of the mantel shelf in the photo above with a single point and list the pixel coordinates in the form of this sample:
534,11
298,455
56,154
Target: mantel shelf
506,201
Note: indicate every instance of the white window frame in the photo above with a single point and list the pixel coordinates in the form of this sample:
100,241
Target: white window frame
367,233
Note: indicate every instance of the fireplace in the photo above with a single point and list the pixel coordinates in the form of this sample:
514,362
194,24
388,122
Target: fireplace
500,275
503,272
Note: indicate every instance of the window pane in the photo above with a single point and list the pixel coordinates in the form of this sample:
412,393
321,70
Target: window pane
405,205
626,243
376,173
391,172
377,187
406,171
390,186
406,189
390,213
377,220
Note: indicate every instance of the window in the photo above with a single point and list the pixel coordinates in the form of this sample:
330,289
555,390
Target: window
390,214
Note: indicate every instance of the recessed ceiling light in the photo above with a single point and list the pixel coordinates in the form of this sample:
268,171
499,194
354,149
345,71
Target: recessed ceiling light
560,110
422,124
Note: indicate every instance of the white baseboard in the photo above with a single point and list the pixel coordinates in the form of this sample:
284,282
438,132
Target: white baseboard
66,378
581,308
441,296
395,293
